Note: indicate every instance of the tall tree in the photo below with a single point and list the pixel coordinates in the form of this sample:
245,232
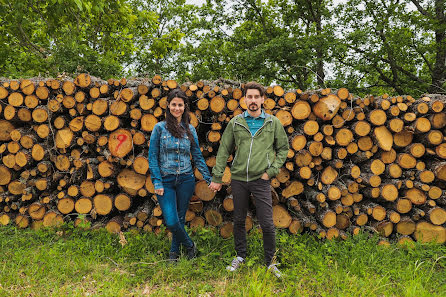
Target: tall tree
279,41
53,36
157,51
435,14
395,46
314,14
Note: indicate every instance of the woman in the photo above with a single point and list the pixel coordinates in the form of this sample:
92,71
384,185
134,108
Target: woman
172,143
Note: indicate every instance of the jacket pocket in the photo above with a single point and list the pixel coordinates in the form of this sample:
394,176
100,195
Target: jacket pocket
258,163
165,139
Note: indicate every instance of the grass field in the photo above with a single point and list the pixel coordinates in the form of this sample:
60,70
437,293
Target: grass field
72,262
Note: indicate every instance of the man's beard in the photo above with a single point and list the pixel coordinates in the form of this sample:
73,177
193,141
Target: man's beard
253,107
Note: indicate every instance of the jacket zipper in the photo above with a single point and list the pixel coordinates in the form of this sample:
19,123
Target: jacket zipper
235,157
249,157
250,147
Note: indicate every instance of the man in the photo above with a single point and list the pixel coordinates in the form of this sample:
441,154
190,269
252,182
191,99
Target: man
261,147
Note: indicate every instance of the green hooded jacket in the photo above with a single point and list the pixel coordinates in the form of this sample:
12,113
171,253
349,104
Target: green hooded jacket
266,151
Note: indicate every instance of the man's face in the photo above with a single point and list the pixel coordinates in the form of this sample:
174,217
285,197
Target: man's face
253,100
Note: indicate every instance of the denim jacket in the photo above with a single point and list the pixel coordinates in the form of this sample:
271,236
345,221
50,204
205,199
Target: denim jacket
171,155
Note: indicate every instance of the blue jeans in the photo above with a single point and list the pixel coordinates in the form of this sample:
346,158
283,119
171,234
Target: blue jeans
178,190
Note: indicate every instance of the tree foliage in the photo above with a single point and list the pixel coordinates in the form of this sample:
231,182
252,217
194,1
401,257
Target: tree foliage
156,52
393,46
272,42
47,37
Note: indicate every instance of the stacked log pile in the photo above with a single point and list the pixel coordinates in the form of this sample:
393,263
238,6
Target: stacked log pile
77,150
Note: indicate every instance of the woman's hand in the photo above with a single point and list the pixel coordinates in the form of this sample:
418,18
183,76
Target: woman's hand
215,187
159,191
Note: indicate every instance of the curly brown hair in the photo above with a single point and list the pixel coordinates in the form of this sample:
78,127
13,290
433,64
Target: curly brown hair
172,124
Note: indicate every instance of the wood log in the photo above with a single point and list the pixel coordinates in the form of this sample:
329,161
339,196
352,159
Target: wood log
148,122
103,204
21,221
5,175
122,202
301,110
383,137
83,80
416,196
36,211
296,226
39,114
197,222
42,92
141,164
389,191
120,143
403,138
5,129
377,117
437,215
373,162
130,181
284,117
327,107
118,108
384,228
65,205
226,229
438,120
114,225
329,175
64,138
203,192
281,217
52,219
332,233
406,226
294,189
228,203
426,232
435,192
327,218
310,127
213,217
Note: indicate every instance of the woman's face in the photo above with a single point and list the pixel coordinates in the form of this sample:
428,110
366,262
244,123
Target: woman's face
176,108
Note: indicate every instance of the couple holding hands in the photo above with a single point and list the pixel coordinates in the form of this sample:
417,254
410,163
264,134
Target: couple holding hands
260,146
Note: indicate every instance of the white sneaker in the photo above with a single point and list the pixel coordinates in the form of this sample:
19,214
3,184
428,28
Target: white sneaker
273,269
235,264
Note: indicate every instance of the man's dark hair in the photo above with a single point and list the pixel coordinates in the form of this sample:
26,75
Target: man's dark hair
254,85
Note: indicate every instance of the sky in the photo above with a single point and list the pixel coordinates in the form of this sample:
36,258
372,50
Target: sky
196,2
199,2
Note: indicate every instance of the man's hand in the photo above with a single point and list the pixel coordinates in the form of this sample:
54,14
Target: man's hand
215,187
159,191
265,176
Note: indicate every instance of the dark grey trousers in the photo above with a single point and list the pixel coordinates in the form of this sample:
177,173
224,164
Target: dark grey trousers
261,192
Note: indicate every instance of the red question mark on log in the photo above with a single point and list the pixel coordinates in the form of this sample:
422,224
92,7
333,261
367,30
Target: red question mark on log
121,138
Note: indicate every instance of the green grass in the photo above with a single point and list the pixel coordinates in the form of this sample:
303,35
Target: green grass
72,262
